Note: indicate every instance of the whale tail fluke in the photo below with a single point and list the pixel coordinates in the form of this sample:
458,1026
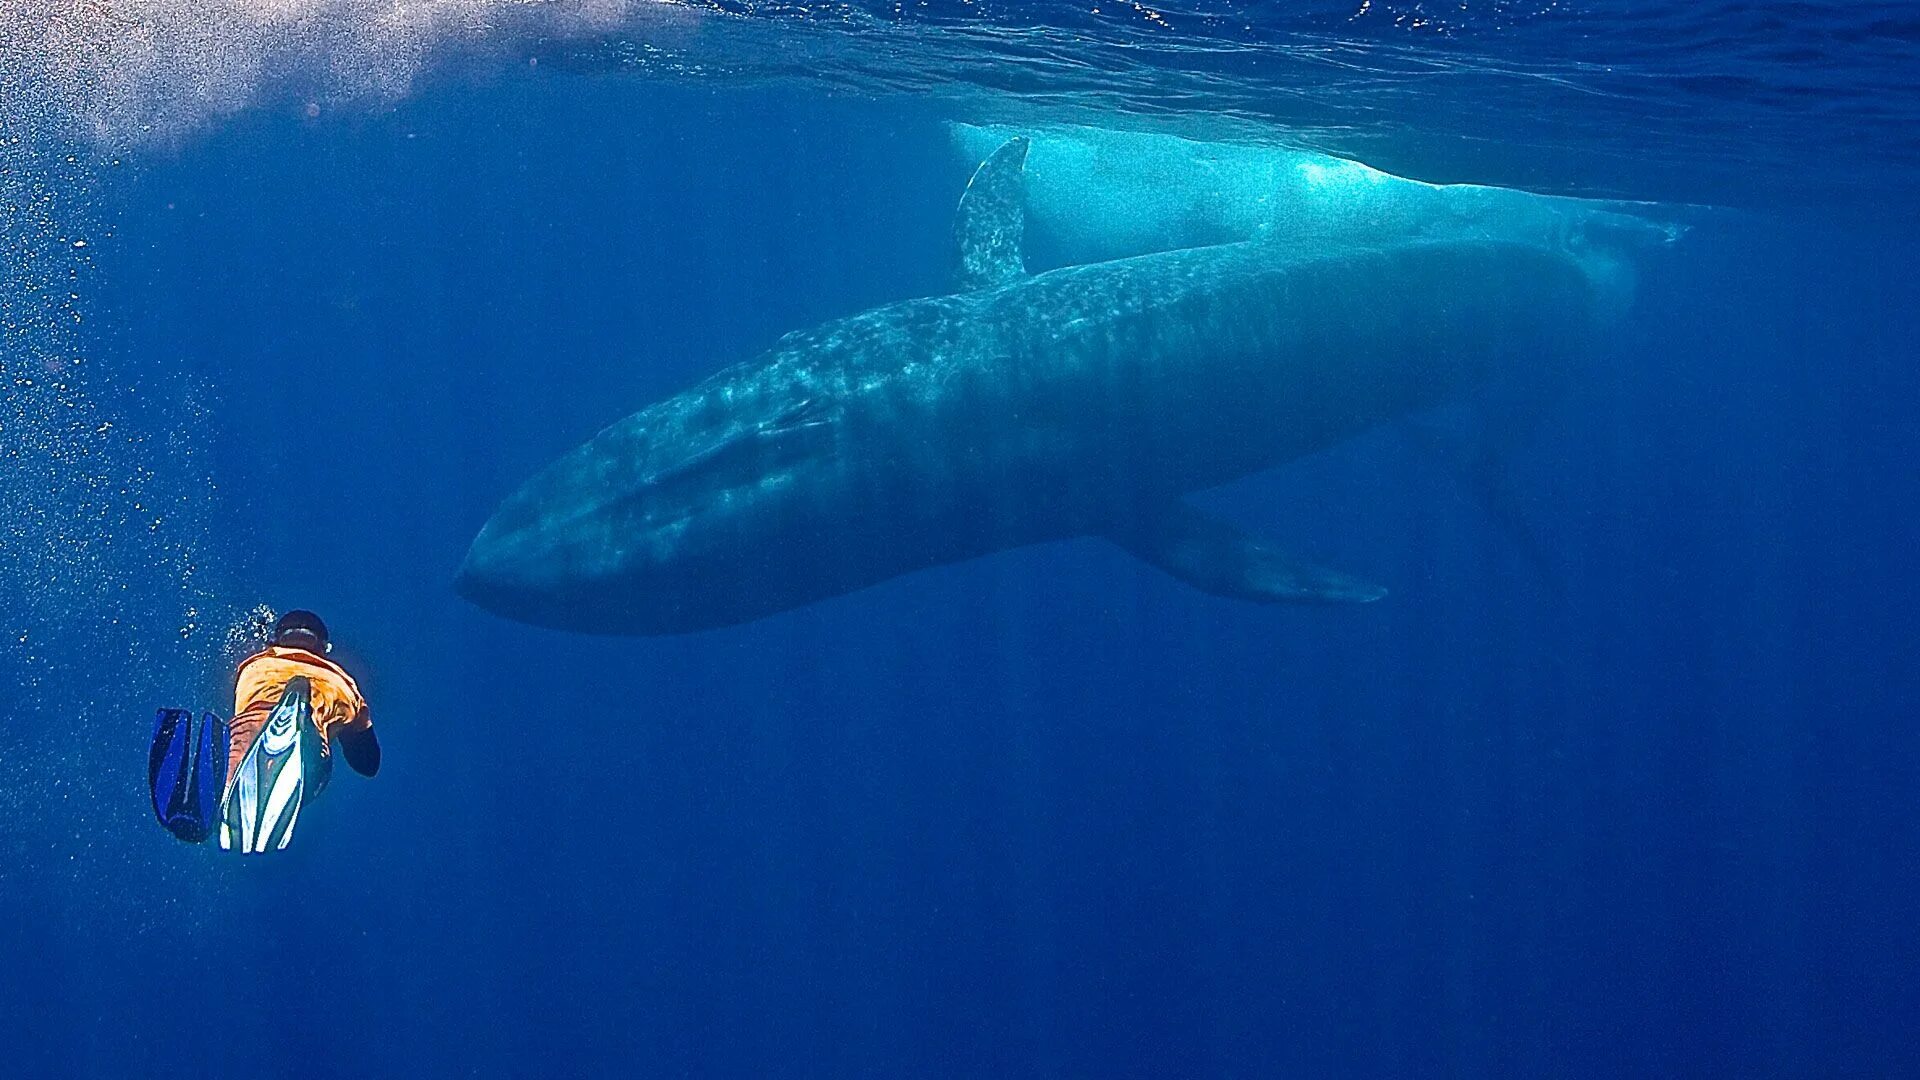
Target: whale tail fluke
1220,558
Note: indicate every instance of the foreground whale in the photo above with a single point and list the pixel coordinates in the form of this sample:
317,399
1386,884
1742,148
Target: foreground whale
1086,401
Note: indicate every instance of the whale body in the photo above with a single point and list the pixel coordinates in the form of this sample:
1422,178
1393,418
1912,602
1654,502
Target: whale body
1084,401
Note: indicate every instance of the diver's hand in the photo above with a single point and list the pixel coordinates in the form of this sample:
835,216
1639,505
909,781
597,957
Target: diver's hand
361,749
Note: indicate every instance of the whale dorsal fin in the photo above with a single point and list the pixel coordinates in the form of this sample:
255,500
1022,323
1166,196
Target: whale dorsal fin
1214,556
991,227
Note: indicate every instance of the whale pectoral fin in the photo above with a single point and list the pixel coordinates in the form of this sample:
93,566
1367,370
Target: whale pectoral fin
1217,557
991,226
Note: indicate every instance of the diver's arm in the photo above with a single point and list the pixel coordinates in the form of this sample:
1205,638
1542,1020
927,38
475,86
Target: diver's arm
359,746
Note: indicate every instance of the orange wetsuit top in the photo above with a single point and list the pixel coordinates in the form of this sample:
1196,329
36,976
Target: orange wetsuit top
263,677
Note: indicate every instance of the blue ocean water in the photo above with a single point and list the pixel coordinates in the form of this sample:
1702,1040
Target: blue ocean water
296,293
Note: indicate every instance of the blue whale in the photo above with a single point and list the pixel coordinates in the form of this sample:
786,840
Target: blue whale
1084,401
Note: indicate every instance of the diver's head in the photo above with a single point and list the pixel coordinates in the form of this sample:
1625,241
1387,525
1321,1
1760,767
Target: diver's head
300,629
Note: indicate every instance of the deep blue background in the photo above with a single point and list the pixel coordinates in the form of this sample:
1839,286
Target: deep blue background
1044,814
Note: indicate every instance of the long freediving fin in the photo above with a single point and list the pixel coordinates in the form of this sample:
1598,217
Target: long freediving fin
276,777
1214,556
990,228
186,769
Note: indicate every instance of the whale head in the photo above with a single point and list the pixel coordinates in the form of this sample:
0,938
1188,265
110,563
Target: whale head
647,528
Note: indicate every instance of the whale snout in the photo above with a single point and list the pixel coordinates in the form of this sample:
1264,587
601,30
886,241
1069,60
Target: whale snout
513,569
474,581
491,578
529,572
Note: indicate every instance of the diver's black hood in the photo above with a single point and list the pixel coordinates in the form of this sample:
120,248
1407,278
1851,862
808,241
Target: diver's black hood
300,619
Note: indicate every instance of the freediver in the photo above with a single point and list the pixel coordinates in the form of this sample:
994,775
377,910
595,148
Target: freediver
248,778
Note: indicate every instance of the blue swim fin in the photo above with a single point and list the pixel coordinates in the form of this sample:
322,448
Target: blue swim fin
186,770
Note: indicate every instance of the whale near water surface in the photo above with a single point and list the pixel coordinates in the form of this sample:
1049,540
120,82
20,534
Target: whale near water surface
1085,401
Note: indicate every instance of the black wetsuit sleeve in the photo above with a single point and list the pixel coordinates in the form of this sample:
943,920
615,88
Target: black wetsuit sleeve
361,749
